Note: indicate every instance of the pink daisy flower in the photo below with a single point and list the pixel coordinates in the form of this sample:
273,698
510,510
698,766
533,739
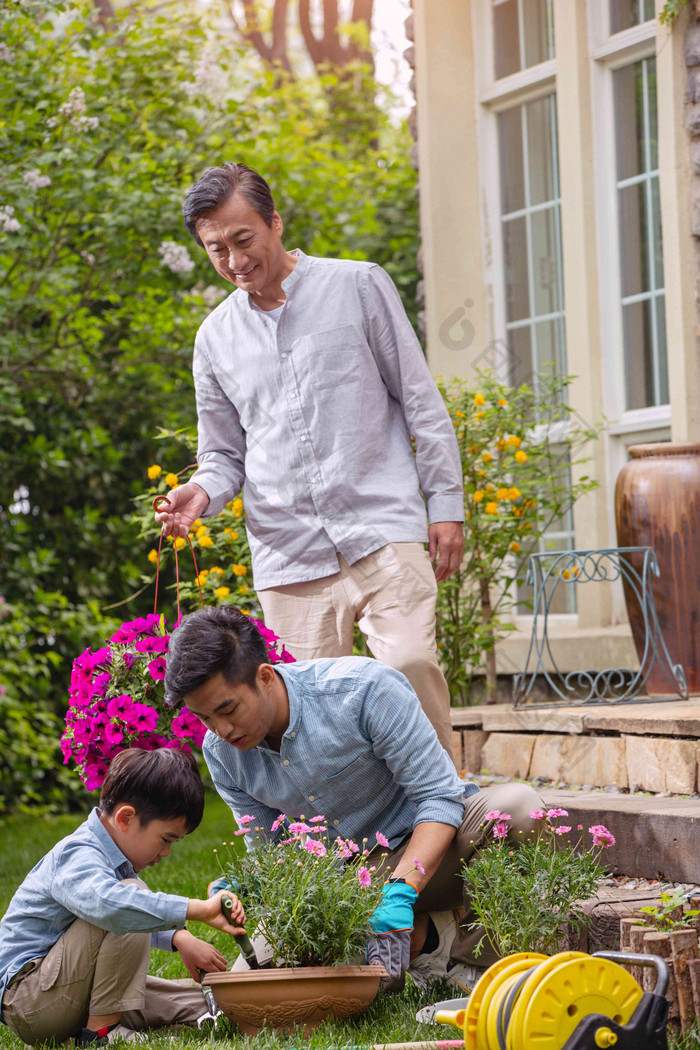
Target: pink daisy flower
364,878
382,840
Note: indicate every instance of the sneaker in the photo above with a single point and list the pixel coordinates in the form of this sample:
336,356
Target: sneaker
119,1031
431,966
466,976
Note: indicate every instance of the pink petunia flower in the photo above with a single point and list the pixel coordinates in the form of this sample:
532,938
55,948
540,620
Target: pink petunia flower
552,813
156,669
382,840
364,878
119,705
500,830
315,847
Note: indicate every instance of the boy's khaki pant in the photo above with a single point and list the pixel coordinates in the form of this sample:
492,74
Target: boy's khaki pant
391,594
89,971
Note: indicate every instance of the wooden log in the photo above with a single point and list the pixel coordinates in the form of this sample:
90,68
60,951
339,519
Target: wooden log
656,943
694,967
637,935
626,925
684,947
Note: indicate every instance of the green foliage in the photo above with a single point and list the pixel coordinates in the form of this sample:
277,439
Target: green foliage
670,12
101,292
526,898
38,645
668,914
516,447
312,905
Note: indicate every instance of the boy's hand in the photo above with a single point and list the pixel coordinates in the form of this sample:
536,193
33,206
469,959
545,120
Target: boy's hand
209,911
197,955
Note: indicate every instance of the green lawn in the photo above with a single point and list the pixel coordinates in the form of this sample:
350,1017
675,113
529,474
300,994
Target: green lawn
188,870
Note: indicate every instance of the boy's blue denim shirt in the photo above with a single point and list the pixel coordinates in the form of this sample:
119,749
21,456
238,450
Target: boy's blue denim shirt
81,878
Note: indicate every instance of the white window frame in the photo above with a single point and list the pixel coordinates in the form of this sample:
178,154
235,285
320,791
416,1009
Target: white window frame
608,53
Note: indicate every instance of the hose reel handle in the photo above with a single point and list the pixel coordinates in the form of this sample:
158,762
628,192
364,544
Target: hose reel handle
641,960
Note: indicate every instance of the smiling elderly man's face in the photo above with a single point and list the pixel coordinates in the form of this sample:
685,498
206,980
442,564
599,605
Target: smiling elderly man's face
242,248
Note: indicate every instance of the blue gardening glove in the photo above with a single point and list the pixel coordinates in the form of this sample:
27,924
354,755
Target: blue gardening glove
222,883
392,924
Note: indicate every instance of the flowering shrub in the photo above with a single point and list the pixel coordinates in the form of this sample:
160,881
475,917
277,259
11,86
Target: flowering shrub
310,896
116,699
528,897
517,447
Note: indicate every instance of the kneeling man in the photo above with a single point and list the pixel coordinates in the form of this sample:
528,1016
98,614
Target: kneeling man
348,738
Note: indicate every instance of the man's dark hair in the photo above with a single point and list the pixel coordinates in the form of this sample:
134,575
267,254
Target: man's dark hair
217,185
161,785
218,640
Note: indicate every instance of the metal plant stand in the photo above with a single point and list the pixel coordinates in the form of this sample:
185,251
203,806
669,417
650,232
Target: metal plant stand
614,685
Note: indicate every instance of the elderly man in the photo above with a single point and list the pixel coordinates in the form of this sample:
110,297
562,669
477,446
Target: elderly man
347,737
310,385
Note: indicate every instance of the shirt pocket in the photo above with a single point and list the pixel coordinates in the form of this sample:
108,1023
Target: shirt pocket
335,357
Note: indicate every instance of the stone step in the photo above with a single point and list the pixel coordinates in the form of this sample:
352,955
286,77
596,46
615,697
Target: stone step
656,838
675,718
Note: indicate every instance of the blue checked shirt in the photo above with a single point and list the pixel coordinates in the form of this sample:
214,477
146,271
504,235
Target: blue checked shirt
359,750
80,879
313,415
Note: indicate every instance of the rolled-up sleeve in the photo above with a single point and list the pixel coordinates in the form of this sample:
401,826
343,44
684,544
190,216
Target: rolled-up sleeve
100,898
401,735
221,440
405,372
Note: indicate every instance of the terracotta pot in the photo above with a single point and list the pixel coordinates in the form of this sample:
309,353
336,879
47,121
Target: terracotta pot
657,504
303,995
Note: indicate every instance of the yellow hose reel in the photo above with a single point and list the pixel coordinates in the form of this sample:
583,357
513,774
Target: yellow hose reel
569,1001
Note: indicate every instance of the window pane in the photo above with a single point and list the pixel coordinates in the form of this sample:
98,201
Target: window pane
637,323
510,140
627,13
663,395
541,147
516,269
537,32
545,262
548,349
506,37
520,356
629,120
634,239
657,239
522,33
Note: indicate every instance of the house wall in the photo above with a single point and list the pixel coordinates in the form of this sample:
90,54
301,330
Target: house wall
457,106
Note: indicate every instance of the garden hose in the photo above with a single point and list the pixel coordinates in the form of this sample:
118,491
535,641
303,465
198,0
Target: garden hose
569,1001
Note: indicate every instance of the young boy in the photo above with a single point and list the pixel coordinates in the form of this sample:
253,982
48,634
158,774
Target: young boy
75,940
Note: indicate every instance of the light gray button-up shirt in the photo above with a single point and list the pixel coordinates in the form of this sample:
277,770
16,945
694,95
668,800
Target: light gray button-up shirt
313,416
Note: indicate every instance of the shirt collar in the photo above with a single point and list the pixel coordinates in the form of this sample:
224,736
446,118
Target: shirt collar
289,282
114,854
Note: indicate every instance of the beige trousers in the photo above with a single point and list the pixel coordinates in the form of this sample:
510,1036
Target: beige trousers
391,595
446,889
89,971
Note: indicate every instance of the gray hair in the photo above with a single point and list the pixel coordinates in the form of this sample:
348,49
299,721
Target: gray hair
217,185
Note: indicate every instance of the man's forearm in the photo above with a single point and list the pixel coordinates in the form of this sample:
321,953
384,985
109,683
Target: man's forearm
427,845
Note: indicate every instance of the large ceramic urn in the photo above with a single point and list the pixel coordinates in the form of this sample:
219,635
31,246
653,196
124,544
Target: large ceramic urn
657,504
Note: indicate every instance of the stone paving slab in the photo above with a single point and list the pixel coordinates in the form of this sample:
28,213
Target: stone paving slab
656,837
674,718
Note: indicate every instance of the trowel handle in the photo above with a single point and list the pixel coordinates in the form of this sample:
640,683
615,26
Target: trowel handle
241,939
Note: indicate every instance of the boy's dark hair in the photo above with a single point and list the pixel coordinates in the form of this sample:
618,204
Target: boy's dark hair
161,785
217,185
217,640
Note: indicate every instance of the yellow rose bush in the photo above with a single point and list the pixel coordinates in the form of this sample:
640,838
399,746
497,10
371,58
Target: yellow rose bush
517,484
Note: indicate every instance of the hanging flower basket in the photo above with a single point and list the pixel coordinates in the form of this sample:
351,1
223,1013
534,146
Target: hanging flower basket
116,698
